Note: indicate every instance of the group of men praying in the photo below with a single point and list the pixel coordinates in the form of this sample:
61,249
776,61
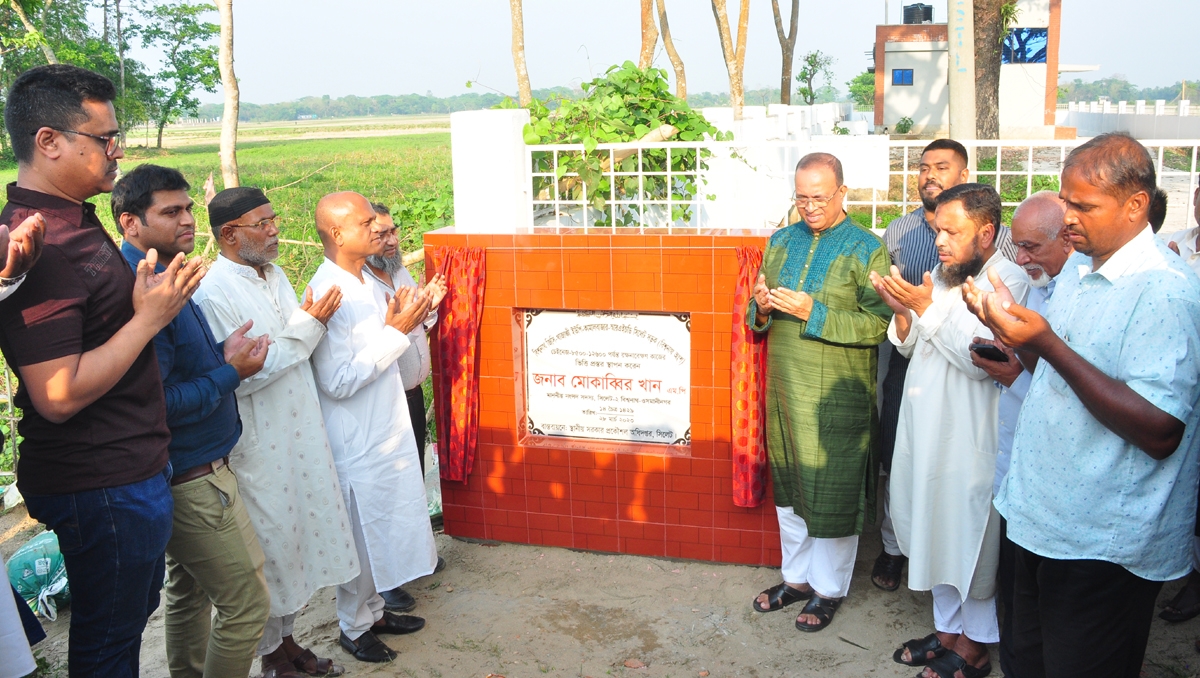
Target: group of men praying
207,425
1038,415
1036,430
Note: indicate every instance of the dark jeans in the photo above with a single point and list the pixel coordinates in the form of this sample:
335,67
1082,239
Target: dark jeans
889,415
1079,618
112,541
1004,594
416,412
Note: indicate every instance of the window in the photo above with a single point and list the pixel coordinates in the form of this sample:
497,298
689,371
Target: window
902,76
1025,46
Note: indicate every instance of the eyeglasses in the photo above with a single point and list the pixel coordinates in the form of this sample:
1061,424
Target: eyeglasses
264,224
818,203
111,141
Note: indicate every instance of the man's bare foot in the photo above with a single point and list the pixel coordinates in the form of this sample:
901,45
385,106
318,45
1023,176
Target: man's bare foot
310,664
763,602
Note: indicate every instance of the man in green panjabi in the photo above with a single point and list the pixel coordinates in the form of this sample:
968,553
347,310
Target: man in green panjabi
823,321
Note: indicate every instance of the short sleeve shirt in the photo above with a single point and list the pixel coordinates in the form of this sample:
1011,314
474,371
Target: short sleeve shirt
77,296
1075,490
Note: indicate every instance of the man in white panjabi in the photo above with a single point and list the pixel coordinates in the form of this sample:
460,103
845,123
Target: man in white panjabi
283,462
374,449
946,441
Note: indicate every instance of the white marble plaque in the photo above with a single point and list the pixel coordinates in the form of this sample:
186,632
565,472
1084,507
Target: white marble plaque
609,375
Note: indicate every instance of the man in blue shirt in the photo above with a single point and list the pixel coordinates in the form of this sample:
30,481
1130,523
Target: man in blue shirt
213,557
1100,495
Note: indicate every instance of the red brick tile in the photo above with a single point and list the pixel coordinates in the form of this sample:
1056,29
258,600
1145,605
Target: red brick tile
697,518
696,551
698,484
597,542
681,500
559,539
587,493
682,534
735,554
642,547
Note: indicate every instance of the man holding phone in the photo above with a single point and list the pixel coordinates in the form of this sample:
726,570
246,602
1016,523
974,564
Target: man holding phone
1042,250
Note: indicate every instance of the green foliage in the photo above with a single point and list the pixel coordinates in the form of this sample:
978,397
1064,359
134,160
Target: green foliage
189,63
1012,188
423,210
1009,13
904,125
841,131
624,105
812,66
862,89
1118,88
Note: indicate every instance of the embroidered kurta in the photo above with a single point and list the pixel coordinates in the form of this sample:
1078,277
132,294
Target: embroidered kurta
373,445
946,442
283,462
821,419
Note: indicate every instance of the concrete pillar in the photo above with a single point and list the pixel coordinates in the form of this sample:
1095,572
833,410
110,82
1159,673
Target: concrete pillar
1160,107
1184,105
491,189
1122,107
961,28
1139,106
1107,107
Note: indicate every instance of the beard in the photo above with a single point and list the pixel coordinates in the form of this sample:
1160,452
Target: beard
1042,280
929,202
388,265
256,254
953,275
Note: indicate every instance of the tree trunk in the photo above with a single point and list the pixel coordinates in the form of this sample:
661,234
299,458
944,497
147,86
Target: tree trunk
30,28
787,43
735,55
161,124
987,68
649,35
229,118
104,9
676,62
525,94
120,44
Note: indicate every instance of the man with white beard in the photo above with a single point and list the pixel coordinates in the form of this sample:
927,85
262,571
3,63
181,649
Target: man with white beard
1042,250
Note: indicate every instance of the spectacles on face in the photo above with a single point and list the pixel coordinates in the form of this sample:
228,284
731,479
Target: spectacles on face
111,141
803,201
261,225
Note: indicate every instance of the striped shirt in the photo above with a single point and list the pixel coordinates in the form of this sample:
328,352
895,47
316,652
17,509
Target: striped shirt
910,243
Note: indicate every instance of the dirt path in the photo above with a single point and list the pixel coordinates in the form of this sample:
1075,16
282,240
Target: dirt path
519,611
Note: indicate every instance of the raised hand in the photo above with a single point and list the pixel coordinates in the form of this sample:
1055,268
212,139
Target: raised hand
762,296
324,308
407,309
158,297
235,341
436,290
877,281
1013,324
248,360
1004,372
21,247
798,304
916,298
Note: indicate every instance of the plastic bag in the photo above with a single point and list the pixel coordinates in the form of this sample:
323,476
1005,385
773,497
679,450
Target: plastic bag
39,574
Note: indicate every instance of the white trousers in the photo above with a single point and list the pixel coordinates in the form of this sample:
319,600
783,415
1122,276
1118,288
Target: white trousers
274,632
886,531
14,646
359,605
974,618
824,564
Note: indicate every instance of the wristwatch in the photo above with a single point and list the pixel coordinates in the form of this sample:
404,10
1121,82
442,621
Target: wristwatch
9,282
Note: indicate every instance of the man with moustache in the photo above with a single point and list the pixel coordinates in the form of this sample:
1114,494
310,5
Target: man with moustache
283,463
1040,236
946,440
823,322
358,374
78,332
1101,489
910,243
214,560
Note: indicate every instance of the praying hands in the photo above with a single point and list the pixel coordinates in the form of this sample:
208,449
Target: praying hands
1012,324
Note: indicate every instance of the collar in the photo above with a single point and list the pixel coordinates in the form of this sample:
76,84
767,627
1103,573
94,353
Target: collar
134,256
338,271
61,208
828,231
234,268
1125,259
1186,241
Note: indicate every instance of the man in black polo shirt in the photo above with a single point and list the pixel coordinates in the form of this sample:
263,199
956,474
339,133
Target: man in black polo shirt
94,456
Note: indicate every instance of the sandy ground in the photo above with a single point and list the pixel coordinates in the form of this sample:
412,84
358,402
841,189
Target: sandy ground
514,611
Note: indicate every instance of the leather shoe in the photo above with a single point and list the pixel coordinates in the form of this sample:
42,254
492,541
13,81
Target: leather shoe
397,624
398,600
368,648
441,565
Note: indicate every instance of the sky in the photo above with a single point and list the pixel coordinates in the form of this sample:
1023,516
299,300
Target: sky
287,49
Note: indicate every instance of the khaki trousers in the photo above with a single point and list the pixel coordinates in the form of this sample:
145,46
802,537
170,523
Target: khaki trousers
213,561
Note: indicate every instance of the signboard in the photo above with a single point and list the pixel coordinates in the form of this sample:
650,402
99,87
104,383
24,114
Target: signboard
609,375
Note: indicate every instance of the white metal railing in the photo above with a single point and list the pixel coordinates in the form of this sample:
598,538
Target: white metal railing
679,184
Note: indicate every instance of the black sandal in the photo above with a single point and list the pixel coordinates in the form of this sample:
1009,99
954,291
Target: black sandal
1176,611
821,608
888,566
951,663
780,596
919,649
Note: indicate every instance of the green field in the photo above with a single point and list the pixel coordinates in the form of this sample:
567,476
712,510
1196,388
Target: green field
393,170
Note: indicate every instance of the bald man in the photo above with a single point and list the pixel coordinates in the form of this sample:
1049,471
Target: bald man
1040,235
375,451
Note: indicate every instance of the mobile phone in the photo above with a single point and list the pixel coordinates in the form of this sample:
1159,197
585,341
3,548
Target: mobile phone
989,352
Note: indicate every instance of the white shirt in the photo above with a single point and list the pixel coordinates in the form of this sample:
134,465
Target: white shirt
945,456
1186,242
415,363
374,448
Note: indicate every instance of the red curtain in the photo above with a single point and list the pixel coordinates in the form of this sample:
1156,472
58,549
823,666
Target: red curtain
747,393
456,381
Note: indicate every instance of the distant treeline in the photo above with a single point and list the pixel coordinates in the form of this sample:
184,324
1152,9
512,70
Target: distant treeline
416,104
1117,88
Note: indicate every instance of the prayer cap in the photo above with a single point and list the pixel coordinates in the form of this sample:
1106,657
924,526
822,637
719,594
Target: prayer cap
232,203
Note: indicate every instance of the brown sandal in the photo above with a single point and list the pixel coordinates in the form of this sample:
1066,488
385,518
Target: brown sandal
309,663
